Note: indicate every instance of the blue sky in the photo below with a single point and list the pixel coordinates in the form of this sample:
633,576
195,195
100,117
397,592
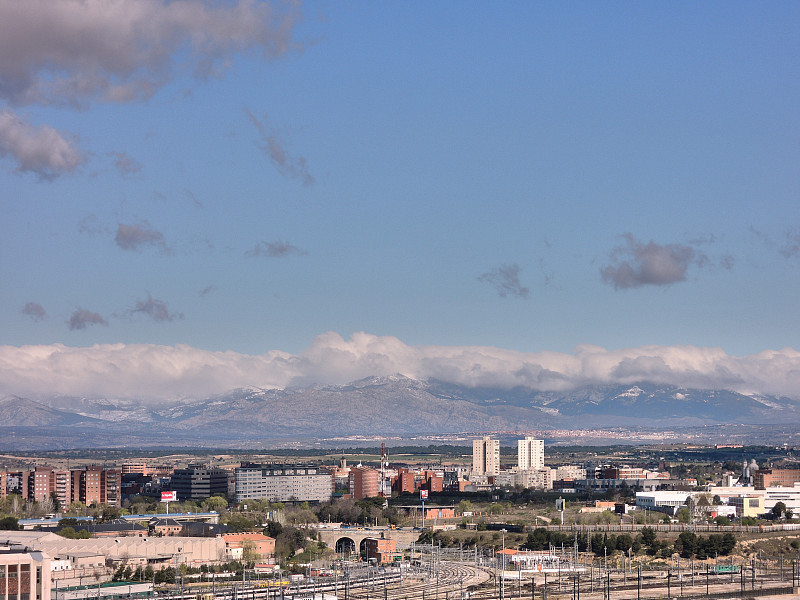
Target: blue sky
533,177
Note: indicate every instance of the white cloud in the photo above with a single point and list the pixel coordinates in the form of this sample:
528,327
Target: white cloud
169,372
72,51
82,318
34,310
505,280
42,150
275,249
155,309
125,164
636,264
137,236
275,147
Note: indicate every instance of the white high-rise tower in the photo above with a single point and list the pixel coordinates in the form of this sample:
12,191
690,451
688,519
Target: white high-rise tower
530,453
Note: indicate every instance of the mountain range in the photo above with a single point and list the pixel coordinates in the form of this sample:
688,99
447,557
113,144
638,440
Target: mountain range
375,406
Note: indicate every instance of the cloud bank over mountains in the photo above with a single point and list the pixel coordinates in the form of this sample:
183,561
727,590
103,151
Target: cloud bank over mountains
164,373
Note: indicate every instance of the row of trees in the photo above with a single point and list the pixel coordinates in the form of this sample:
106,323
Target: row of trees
688,544
601,544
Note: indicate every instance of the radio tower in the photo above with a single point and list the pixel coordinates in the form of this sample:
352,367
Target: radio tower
384,465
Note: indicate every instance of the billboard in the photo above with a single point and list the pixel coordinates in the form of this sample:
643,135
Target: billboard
169,496
423,494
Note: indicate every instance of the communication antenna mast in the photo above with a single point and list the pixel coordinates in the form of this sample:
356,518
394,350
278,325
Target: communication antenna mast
384,465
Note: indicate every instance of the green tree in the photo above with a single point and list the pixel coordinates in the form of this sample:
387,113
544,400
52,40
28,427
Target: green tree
249,552
9,523
109,513
686,544
495,508
538,539
722,520
648,536
624,542
216,503
778,510
239,523
273,529
165,575
77,508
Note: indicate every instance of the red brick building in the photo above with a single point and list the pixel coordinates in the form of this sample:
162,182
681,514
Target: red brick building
364,482
433,482
91,484
96,484
764,478
405,482
382,550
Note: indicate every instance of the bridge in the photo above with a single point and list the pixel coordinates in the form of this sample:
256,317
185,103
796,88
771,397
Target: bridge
351,539
209,517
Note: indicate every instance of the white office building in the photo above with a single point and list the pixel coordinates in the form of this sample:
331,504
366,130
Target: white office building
283,483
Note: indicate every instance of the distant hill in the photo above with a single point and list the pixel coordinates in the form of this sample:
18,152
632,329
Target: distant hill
375,406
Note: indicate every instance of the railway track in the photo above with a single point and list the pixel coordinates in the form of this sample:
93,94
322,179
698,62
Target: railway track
466,581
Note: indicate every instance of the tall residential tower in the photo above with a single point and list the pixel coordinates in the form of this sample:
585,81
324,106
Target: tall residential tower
530,453
486,456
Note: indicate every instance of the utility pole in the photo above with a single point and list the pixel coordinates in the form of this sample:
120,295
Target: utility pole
639,584
669,584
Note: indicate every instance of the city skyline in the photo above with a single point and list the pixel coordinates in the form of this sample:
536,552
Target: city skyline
199,196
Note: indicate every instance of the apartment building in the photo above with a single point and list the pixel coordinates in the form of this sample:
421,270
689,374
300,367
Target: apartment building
405,482
434,482
134,469
95,484
570,472
486,456
88,485
530,453
364,482
283,483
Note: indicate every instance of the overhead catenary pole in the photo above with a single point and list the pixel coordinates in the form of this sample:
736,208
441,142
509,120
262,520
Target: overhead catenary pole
503,567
